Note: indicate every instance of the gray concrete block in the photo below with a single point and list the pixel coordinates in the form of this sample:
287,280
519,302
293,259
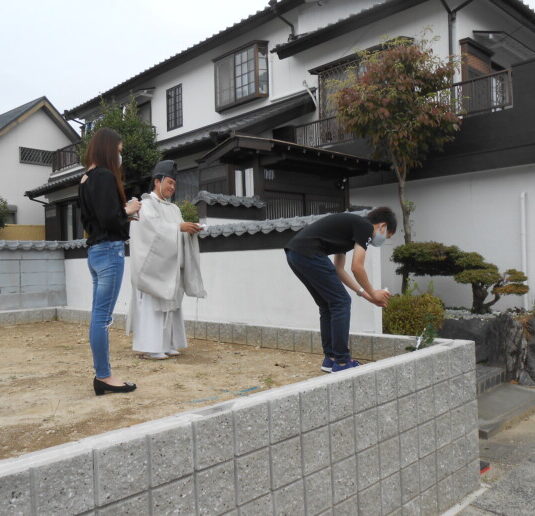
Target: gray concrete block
459,451
424,371
342,439
387,417
472,446
387,384
9,266
171,453
366,429
253,477
239,333
429,501
406,381
472,476
444,461
410,482
389,457
134,506
408,412
212,331
56,297
458,422
285,339
216,491
7,318
316,343
316,450
15,493
286,462
314,407
471,421
344,479
303,341
65,485
290,500
121,470
269,337
318,488
408,442
457,394
361,346
262,506
199,330
33,279
391,493
365,389
386,347
348,507
445,494
225,332
370,500
285,420
427,438
368,471
442,397
341,399
426,404
251,427
9,279
443,430
470,386
175,498
214,439
442,366
254,335
190,329
428,471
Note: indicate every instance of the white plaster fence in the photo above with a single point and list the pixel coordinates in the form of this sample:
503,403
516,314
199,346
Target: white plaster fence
397,435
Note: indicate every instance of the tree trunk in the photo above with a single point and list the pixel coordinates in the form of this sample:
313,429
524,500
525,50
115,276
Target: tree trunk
479,294
405,212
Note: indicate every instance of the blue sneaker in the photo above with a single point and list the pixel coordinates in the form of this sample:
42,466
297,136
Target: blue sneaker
327,365
348,365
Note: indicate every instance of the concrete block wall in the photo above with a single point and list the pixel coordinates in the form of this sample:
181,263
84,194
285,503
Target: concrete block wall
398,436
32,279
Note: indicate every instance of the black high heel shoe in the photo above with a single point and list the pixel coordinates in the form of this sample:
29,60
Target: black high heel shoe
101,387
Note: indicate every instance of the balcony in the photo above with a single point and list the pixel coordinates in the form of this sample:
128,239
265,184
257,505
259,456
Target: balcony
485,94
65,157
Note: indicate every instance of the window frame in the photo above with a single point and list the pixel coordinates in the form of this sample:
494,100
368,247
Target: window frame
257,94
45,157
179,115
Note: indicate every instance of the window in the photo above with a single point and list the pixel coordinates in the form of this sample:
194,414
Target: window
241,76
35,156
70,220
174,107
11,217
328,85
244,182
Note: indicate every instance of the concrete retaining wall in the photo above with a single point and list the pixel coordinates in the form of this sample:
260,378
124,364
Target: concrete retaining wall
32,279
396,435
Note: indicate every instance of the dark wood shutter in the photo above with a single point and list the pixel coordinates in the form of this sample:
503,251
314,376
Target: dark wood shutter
52,222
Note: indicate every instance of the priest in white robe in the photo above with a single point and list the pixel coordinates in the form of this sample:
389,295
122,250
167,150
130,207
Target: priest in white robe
165,266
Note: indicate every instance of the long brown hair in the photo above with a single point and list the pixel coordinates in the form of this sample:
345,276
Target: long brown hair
102,152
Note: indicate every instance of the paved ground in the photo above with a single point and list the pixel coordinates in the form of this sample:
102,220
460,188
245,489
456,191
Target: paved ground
511,479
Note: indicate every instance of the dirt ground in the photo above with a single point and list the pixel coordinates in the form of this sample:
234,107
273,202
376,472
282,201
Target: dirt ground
47,398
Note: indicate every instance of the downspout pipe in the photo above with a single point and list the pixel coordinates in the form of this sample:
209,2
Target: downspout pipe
452,17
273,5
524,241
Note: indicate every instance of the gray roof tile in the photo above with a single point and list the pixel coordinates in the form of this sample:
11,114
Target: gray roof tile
225,200
12,115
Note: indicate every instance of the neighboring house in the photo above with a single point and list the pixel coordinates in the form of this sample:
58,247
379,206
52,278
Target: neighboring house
29,136
245,112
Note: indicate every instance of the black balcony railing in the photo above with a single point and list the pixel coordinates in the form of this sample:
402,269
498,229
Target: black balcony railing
65,157
484,94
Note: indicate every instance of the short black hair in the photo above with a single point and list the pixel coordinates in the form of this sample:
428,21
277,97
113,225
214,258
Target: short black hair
153,182
384,214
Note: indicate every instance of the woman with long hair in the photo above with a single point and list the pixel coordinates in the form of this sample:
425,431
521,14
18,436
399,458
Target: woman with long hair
105,214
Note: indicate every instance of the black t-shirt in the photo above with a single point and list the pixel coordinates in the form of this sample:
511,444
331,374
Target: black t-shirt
333,234
103,217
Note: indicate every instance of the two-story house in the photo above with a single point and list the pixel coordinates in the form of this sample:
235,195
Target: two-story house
29,136
245,112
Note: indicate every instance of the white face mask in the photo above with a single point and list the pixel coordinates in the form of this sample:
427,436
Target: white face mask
378,239
120,159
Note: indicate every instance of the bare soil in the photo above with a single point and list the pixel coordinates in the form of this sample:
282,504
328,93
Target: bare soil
46,392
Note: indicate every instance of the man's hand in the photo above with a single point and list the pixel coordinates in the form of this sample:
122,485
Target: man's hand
190,227
380,297
132,207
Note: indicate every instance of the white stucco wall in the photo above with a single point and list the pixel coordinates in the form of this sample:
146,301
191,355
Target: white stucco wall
477,212
37,132
250,287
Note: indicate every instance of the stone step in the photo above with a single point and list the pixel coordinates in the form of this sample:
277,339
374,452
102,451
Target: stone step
488,377
502,405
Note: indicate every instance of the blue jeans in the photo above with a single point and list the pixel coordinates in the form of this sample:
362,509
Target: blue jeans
106,264
318,274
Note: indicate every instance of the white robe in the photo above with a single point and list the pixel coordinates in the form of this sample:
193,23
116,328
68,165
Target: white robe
165,265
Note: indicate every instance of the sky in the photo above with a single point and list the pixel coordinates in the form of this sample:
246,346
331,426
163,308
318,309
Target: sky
73,50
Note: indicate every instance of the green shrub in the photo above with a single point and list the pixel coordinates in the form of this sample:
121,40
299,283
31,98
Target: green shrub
409,315
189,211
4,212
